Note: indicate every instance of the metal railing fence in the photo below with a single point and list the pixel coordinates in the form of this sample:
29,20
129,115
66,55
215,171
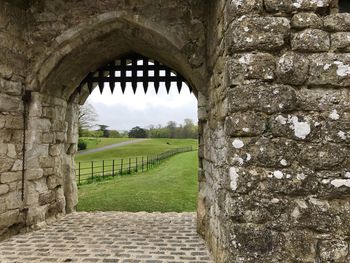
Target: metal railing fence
92,171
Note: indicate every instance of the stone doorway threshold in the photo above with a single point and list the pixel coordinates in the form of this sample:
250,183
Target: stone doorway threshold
111,237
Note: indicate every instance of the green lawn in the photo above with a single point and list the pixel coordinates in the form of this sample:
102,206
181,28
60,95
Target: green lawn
93,143
171,186
149,147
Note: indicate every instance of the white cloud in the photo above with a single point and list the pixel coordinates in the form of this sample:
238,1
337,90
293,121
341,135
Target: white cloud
124,111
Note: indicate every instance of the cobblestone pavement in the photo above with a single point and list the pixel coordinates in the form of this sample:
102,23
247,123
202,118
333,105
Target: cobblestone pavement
111,237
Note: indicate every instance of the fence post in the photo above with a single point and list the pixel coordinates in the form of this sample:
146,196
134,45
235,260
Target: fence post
142,164
79,172
121,167
113,168
103,168
129,164
92,170
137,165
147,163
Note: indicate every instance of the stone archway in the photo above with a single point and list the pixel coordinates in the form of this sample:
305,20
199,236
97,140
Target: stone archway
55,78
273,84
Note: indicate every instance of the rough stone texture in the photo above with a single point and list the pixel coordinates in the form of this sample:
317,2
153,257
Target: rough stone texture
111,237
274,159
272,79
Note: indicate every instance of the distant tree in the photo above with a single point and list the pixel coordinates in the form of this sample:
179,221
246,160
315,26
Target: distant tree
189,129
171,126
104,129
137,132
124,134
87,117
172,130
114,134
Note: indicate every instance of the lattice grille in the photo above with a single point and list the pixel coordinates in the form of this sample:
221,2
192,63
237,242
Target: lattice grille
133,69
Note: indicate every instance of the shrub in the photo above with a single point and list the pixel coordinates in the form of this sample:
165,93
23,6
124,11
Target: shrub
81,145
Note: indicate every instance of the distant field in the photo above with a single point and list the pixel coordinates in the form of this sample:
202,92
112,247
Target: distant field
149,147
172,186
93,143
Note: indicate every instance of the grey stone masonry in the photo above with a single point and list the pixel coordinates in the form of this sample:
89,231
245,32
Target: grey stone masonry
272,78
111,237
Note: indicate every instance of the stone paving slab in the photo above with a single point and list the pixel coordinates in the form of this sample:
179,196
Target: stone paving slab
111,237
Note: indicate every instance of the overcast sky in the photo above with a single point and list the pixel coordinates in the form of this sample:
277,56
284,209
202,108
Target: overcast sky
124,111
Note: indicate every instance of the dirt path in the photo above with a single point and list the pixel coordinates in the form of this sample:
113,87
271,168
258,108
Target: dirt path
116,145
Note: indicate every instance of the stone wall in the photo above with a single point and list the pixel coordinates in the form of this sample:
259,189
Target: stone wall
272,79
278,178
63,41
12,76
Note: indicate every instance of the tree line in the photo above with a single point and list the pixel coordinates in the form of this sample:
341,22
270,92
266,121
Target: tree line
87,120
172,130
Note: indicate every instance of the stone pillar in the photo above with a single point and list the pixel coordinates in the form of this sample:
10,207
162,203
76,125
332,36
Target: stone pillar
70,147
12,66
276,162
50,177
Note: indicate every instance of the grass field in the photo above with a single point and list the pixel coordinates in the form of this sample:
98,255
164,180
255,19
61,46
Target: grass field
149,147
172,186
93,143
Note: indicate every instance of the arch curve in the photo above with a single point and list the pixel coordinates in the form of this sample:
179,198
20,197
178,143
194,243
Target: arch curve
91,44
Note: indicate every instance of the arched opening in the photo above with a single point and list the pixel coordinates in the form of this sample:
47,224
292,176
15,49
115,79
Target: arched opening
61,80
137,74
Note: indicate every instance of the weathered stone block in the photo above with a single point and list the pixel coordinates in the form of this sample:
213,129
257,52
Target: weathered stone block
337,22
55,150
11,151
306,20
292,68
259,66
59,126
320,157
301,245
333,250
34,174
36,215
4,189
47,162
14,122
323,100
257,33
17,165
9,218
295,127
10,103
6,164
13,200
245,124
47,137
264,152
341,41
291,5
60,137
47,198
3,149
237,8
10,177
261,97
314,214
10,87
311,40
40,124
330,69
251,239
